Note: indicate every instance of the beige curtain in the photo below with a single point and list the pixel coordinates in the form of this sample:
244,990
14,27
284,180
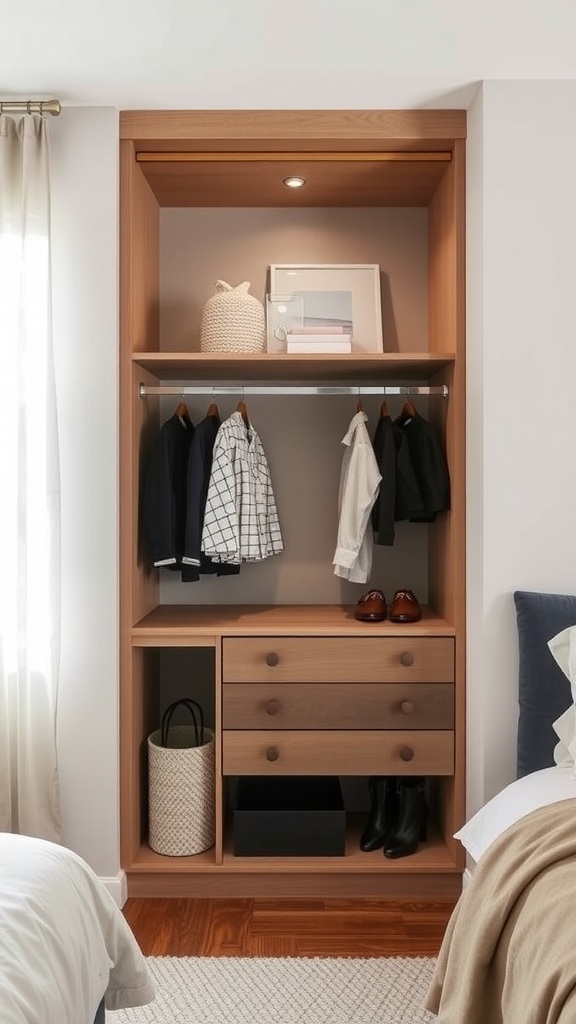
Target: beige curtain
29,489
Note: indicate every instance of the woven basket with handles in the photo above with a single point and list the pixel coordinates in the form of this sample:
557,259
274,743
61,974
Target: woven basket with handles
233,321
181,786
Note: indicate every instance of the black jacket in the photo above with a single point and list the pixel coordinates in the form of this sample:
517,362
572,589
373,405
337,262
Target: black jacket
164,492
399,495
429,465
194,560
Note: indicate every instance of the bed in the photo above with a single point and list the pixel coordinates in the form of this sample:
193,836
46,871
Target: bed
67,954
507,956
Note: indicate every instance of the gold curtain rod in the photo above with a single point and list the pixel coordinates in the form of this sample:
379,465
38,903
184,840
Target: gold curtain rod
30,107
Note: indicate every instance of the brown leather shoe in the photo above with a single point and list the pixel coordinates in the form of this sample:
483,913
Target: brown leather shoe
405,607
371,607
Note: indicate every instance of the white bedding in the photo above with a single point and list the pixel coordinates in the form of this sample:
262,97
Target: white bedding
547,786
64,943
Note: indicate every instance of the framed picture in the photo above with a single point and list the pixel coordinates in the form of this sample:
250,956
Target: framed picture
336,293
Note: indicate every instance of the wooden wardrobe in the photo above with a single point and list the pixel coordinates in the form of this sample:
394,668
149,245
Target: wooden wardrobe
201,198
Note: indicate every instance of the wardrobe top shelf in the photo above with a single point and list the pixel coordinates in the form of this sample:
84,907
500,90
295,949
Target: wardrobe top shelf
389,366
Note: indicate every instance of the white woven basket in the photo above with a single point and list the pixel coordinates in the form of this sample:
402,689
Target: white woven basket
181,792
233,321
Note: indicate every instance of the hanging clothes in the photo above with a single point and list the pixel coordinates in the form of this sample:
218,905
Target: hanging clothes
240,520
399,495
164,493
194,561
359,483
429,465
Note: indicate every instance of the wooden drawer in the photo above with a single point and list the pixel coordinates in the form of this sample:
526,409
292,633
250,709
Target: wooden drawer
338,706
335,752
338,659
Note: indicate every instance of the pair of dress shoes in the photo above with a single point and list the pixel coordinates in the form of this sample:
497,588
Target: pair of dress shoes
372,607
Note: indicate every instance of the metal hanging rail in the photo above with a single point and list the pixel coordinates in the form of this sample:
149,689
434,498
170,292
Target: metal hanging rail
296,389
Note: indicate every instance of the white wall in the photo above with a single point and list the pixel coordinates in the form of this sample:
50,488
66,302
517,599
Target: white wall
521,422
84,144
521,377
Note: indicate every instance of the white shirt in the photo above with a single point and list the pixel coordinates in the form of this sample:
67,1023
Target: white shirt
359,484
240,519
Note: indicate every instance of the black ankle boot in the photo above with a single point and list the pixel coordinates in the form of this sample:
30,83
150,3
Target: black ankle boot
382,812
409,825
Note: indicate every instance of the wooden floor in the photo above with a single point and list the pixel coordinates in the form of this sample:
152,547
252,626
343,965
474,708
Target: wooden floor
266,927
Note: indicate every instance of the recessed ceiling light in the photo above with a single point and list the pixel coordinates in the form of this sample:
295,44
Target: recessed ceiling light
294,181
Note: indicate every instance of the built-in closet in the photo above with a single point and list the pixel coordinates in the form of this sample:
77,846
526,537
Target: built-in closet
290,681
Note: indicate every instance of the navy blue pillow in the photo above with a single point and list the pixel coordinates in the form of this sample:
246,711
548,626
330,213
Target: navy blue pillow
543,691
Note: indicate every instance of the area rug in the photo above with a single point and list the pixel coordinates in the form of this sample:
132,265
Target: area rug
235,990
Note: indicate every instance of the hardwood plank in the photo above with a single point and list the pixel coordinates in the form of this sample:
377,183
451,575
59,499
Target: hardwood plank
273,927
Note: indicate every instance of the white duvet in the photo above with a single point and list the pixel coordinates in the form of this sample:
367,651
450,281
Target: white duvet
64,943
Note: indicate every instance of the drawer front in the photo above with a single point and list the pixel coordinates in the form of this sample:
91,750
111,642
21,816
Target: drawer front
338,659
338,753
338,706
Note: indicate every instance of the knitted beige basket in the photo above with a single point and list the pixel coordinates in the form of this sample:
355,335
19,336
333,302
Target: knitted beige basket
233,321
181,788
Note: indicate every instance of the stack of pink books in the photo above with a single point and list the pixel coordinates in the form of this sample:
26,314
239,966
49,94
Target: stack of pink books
312,339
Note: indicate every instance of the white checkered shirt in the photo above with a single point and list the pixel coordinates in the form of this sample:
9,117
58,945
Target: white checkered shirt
240,520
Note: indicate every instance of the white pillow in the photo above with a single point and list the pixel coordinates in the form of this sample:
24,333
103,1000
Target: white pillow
563,650
547,786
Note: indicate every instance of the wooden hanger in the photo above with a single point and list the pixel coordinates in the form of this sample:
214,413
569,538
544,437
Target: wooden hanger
359,406
409,410
212,410
181,410
241,408
384,410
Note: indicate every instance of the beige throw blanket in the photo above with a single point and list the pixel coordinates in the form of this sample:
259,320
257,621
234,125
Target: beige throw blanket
509,952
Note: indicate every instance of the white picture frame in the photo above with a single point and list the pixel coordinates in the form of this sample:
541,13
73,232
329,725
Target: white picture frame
361,279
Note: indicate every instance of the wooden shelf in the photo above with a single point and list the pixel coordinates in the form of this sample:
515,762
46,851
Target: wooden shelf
201,625
431,856
353,369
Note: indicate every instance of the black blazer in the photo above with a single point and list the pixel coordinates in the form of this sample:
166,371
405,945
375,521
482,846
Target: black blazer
429,465
164,492
399,495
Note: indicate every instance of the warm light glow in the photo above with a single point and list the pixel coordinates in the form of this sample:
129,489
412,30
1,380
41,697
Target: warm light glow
294,181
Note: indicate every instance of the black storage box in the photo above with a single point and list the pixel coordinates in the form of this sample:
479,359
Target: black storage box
289,816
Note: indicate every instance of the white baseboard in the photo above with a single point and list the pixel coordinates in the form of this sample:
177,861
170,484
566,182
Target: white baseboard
117,887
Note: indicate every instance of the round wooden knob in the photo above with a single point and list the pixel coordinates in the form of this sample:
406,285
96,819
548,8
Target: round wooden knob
407,707
272,659
272,707
406,754
272,754
406,658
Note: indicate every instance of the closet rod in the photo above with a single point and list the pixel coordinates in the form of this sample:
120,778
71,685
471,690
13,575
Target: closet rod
297,389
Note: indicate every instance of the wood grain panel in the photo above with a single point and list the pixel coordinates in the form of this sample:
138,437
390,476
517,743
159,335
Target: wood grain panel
447,565
384,129
239,183
336,752
167,622
138,590
294,881
337,659
322,370
338,706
